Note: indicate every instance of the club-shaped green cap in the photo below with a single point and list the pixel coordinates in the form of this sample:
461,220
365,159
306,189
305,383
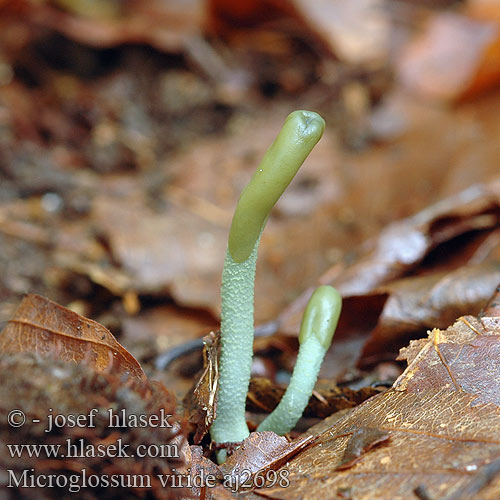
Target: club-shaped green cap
321,315
300,133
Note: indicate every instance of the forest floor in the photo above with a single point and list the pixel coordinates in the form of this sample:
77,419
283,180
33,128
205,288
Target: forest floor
127,132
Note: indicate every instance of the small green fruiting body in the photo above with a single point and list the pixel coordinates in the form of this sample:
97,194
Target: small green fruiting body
300,133
316,333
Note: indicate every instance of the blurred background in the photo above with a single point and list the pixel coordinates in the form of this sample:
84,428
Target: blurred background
129,127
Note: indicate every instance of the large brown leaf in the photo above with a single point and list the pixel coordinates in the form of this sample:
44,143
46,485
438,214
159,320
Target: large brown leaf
44,327
464,357
200,403
404,244
419,303
437,439
434,433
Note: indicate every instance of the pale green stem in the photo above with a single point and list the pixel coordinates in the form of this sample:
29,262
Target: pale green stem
299,390
316,333
237,348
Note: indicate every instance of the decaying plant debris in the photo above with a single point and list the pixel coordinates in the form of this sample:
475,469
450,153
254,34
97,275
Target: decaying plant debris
127,131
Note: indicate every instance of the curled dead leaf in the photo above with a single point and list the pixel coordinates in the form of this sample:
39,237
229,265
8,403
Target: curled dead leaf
438,427
46,328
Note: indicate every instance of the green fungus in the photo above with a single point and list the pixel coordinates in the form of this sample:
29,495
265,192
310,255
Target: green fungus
300,133
316,332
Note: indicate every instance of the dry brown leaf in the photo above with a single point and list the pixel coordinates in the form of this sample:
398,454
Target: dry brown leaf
46,328
198,466
437,438
201,403
402,245
259,453
464,358
436,431
419,303
455,56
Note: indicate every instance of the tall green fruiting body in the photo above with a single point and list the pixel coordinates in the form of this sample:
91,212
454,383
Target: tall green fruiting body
300,133
316,333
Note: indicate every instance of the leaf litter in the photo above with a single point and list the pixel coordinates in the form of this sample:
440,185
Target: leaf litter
63,361
418,273
436,430
62,150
